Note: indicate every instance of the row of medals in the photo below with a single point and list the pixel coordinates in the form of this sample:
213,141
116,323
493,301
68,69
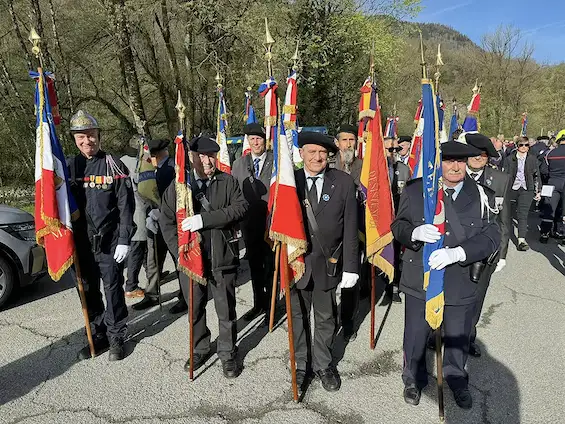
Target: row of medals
104,181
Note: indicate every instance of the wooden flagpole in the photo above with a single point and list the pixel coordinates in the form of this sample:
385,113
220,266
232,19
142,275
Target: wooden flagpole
36,41
274,288
285,281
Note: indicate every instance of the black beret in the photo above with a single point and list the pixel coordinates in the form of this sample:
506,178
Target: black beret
204,143
481,142
542,137
404,139
310,137
254,129
458,149
347,128
156,145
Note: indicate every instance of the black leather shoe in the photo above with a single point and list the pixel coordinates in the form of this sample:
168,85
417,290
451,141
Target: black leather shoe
179,307
199,360
253,313
116,350
544,238
349,334
146,303
101,344
474,350
463,398
412,394
331,381
230,368
522,247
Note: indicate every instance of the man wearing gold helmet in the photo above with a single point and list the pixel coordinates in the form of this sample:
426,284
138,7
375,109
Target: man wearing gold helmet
102,189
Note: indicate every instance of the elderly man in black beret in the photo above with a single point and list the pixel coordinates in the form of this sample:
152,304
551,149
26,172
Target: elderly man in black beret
329,208
253,173
405,143
345,160
471,236
218,206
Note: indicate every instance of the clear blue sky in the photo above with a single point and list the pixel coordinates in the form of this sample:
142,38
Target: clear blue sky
542,21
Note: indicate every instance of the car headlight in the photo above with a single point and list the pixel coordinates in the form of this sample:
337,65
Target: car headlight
23,231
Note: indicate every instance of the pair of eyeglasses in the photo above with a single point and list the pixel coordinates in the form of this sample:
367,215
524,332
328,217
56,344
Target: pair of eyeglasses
523,145
394,149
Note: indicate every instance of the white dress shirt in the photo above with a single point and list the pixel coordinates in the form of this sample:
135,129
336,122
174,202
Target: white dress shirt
261,161
479,173
319,182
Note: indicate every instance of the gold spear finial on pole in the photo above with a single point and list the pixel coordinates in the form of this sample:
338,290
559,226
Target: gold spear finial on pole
295,57
180,107
218,79
423,63
268,46
394,111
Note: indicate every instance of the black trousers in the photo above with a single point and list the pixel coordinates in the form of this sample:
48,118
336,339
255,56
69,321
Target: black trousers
136,258
155,263
550,211
349,306
483,285
109,320
319,353
261,265
222,286
523,199
457,323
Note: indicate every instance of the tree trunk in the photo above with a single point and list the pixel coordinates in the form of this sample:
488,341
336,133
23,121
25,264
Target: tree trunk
65,69
37,23
164,26
21,39
125,54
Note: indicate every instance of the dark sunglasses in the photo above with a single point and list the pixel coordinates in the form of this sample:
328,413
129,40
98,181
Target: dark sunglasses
523,145
394,149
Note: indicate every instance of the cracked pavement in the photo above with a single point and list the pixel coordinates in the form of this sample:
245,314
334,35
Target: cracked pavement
517,380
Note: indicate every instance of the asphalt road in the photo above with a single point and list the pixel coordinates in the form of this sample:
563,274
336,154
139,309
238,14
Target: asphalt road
519,378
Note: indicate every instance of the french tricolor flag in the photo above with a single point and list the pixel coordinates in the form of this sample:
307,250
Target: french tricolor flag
249,119
287,224
54,204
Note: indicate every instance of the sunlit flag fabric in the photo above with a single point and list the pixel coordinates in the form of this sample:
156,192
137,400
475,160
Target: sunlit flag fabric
190,254
267,90
433,206
471,122
390,128
367,110
54,204
286,221
375,188
249,118
289,117
524,131
147,183
224,164
415,158
454,125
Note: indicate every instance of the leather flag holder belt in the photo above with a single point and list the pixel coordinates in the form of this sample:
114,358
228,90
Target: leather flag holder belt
230,240
332,259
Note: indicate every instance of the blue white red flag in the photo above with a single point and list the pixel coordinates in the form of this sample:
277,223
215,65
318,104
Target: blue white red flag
434,212
249,118
54,203
224,164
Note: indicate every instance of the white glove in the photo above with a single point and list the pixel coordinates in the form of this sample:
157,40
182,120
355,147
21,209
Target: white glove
192,223
121,252
151,225
441,258
348,280
427,233
155,214
501,264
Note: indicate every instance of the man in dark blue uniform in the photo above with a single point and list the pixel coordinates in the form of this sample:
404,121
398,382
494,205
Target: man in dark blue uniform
104,195
471,236
552,170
